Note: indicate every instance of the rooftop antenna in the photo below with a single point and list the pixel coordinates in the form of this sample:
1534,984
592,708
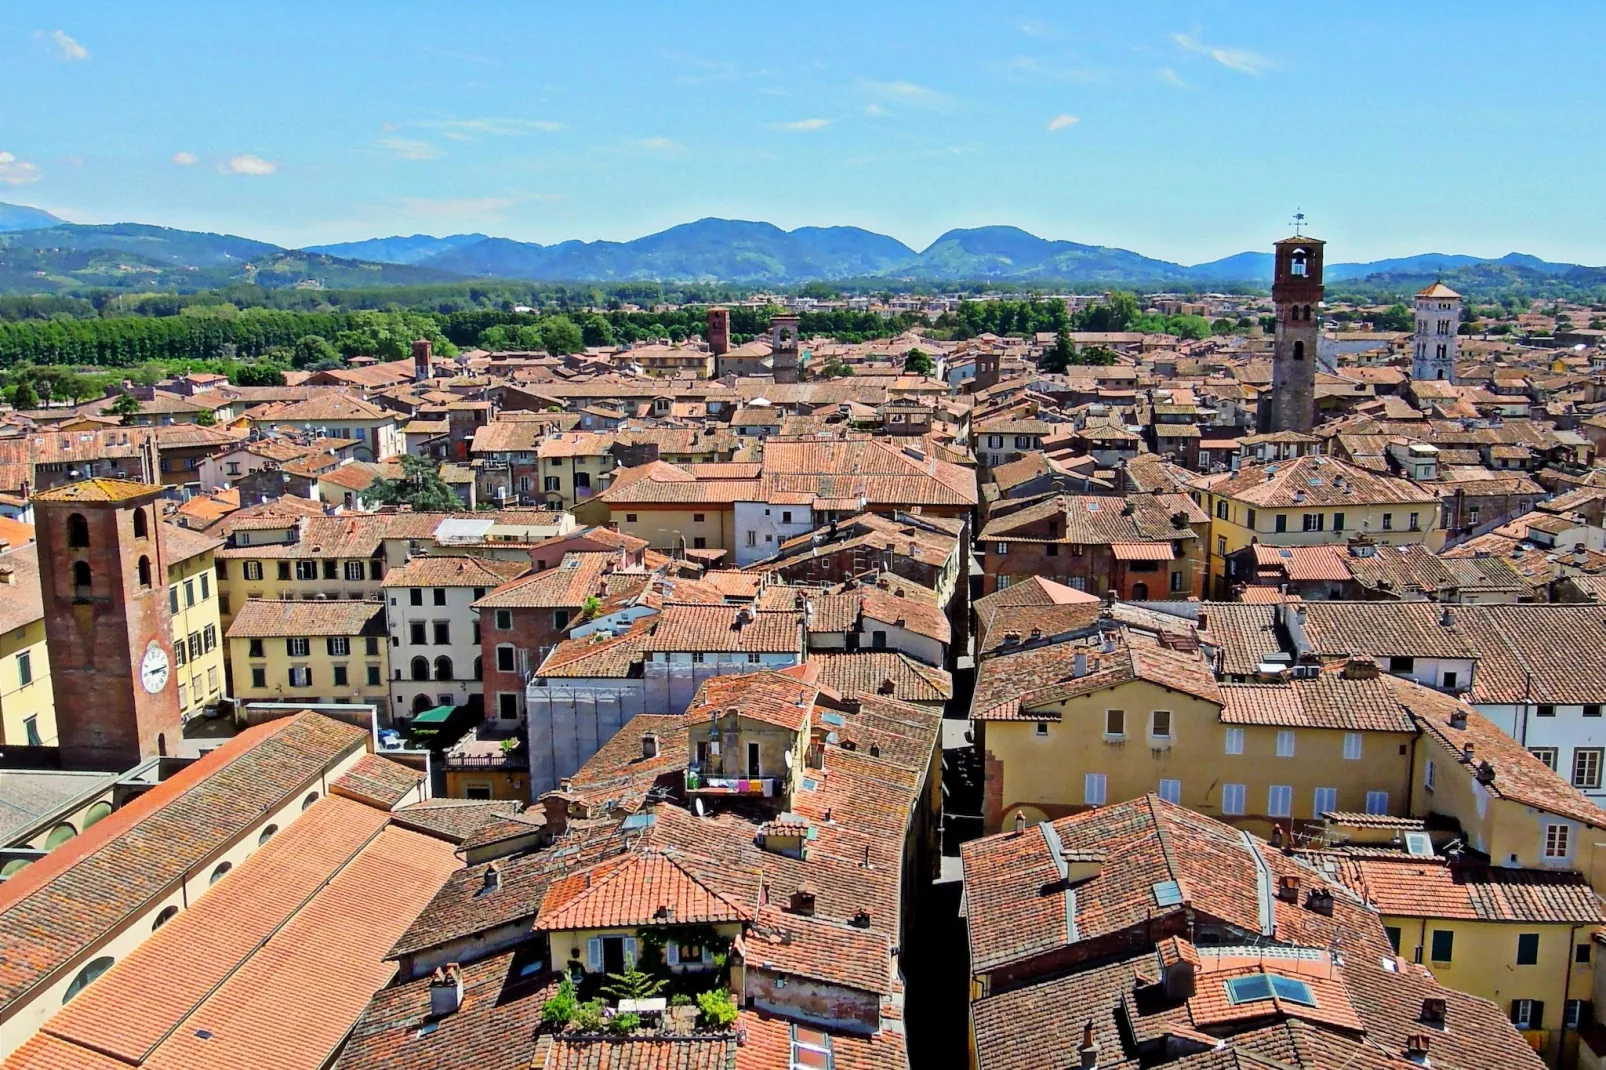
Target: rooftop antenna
1299,223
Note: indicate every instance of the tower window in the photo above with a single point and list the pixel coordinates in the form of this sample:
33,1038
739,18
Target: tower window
1299,350
1296,266
77,532
141,526
144,571
81,577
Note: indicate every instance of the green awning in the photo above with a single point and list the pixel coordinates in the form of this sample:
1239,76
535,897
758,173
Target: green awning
437,715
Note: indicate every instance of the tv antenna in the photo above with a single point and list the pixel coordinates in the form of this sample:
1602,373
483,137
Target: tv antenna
1299,223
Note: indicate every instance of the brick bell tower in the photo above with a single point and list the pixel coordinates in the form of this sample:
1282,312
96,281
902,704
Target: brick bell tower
103,580
1296,290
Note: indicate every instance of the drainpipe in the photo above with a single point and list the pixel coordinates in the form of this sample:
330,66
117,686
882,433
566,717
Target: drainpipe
1566,993
1410,776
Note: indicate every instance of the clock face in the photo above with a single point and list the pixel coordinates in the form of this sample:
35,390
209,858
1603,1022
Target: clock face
153,668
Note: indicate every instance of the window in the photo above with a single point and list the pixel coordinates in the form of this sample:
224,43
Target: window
1313,521
1338,521
786,516
1221,509
1285,743
306,570
1093,789
223,603
1281,522
306,803
331,570
560,619
30,728
340,675
1546,710
1416,521
415,597
195,645
373,676
1280,801
1221,546
1000,547
507,705
253,570
417,633
172,599
259,677
1249,514
504,620
1052,549
1527,949
752,538
1592,709
144,571
1352,746
1586,767
338,645
1042,728
1232,798
1324,801
298,647
1581,953
1235,741
1450,680
1377,802
1527,1013
1443,946
442,630
1430,776
443,668
1160,724
1171,791
25,668
698,518
440,596
419,668
1402,665
77,532
504,658
1558,840
1393,933
217,874
1388,521
88,974
300,676
354,571
1575,1012
1115,723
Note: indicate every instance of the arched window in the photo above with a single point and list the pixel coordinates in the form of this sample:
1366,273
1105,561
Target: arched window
167,915
443,668
87,975
16,865
479,669
60,835
1441,373
77,532
1296,266
420,668
141,527
96,813
311,798
1140,592
1299,350
420,704
144,571
81,577
217,874
267,834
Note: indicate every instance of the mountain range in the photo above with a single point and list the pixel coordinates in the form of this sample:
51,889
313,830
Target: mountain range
40,252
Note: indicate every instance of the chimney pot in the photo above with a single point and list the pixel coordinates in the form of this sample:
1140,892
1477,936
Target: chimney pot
1433,1011
445,990
1288,888
1458,721
1020,822
1089,1051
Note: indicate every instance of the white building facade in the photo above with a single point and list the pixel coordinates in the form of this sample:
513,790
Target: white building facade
1438,318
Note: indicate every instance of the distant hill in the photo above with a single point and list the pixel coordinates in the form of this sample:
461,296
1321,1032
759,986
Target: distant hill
397,250
1012,253
22,217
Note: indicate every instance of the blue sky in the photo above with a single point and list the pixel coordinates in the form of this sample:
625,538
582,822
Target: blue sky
1186,131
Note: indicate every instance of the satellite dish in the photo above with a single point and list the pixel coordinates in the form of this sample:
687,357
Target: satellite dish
789,759
697,806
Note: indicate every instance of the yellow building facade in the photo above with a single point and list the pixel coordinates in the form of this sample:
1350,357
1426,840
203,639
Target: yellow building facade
192,598
27,701
311,652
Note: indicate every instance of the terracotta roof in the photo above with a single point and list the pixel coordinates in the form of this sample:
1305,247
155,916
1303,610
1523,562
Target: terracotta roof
1436,888
882,672
1023,686
633,890
21,602
1315,481
98,490
576,578
431,570
598,654
378,781
452,820
1330,700
775,698
1037,591
709,629
74,897
261,618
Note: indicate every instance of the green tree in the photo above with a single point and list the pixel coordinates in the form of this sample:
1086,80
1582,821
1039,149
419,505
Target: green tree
1063,354
559,1011
835,369
205,418
633,984
263,374
596,332
918,362
125,405
560,336
1394,318
419,486
311,349
718,1009
1094,356
25,396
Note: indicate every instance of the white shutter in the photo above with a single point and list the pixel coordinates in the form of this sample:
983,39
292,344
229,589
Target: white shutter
594,954
630,952
672,952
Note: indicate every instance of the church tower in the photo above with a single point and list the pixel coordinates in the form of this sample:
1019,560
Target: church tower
1296,290
1438,318
786,363
103,582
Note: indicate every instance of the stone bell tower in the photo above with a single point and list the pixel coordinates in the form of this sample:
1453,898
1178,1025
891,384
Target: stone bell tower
103,582
1296,290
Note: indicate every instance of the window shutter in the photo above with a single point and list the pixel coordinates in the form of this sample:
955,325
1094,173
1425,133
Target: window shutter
594,954
1537,1019
672,952
630,952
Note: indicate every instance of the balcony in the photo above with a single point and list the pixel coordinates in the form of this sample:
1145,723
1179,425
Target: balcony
697,783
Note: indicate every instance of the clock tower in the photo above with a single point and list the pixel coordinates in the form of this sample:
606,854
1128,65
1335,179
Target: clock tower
103,581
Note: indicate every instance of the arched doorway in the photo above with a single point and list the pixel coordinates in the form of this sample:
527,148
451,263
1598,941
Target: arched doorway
1140,592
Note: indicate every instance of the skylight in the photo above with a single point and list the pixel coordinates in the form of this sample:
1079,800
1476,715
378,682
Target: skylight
1167,894
1261,986
1419,844
833,719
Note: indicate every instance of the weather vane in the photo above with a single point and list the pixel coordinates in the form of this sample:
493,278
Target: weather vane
1299,222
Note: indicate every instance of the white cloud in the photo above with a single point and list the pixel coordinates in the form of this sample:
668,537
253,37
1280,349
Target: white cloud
488,209
1171,77
492,127
67,50
875,111
410,150
15,172
807,124
246,164
1241,60
1060,122
658,144
185,159
905,91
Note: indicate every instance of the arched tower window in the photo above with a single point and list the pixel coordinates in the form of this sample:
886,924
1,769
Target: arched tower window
1296,264
81,579
144,571
141,527
1299,350
420,669
443,668
77,532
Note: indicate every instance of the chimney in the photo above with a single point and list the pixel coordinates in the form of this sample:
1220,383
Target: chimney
445,990
1466,753
1433,1012
1458,721
1447,617
649,745
1204,621
1416,1048
803,901
1486,772
1361,667
1288,888
1320,901
1079,665
1277,836
1020,822
1089,1051
493,878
